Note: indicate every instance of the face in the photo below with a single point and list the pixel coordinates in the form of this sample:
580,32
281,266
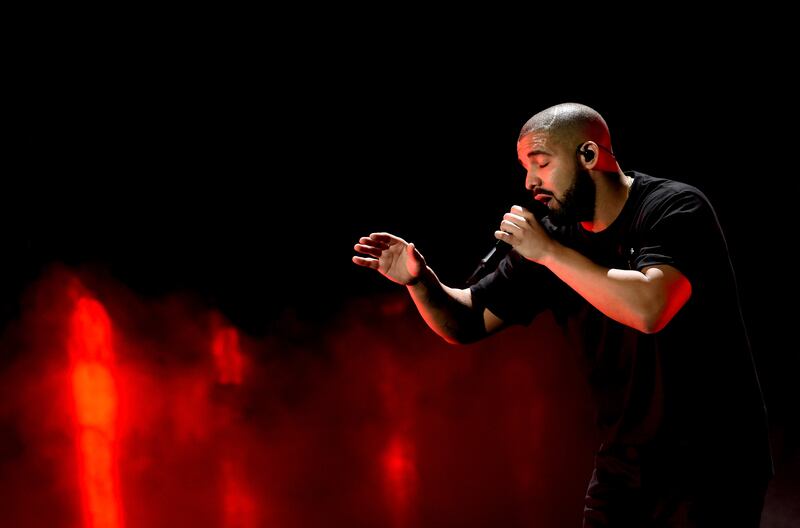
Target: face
556,179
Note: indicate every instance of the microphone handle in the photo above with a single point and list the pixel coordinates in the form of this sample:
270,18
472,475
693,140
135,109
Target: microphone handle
491,260
500,248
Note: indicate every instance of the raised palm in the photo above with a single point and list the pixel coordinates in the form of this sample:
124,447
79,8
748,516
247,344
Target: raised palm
392,256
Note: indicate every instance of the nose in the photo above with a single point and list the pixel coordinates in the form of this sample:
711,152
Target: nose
532,181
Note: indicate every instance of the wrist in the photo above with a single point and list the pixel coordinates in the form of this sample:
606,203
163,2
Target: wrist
418,279
550,255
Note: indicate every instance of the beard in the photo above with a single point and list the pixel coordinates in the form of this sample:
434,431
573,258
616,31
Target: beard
578,202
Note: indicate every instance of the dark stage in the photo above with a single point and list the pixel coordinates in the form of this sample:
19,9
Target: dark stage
186,342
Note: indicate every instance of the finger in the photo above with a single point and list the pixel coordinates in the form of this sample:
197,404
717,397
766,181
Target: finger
517,219
366,262
510,227
368,250
502,235
521,211
386,238
374,243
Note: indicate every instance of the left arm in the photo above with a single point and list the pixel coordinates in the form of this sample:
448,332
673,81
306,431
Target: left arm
644,300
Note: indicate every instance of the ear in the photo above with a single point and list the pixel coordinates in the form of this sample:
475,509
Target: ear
588,154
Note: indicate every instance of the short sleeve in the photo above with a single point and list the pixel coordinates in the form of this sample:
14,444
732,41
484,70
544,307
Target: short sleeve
516,291
680,230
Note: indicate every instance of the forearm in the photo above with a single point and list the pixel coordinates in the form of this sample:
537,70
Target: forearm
447,311
629,297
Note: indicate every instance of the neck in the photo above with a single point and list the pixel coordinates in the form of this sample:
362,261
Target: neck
612,193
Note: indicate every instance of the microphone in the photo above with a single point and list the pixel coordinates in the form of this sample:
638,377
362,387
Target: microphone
501,247
490,261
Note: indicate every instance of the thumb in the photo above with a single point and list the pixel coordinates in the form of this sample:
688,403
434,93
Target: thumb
414,261
414,255
412,251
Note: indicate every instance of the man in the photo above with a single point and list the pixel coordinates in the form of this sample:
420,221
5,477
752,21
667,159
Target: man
638,269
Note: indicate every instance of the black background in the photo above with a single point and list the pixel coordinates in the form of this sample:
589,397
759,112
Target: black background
245,178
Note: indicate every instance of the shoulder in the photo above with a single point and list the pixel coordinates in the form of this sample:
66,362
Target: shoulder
659,196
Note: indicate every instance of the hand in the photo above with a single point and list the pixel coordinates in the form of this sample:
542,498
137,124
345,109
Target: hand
522,231
395,258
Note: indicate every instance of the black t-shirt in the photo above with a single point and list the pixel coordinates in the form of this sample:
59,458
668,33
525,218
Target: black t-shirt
690,390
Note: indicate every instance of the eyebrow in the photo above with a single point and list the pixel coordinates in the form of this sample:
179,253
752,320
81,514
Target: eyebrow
536,152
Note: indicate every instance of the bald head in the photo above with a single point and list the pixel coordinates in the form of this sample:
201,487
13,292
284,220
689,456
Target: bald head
569,124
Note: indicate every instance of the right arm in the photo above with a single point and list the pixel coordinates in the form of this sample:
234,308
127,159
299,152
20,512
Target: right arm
448,311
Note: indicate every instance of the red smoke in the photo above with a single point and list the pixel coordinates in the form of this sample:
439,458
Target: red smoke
119,411
95,395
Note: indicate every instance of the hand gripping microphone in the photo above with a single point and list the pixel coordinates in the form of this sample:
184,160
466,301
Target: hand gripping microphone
496,254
